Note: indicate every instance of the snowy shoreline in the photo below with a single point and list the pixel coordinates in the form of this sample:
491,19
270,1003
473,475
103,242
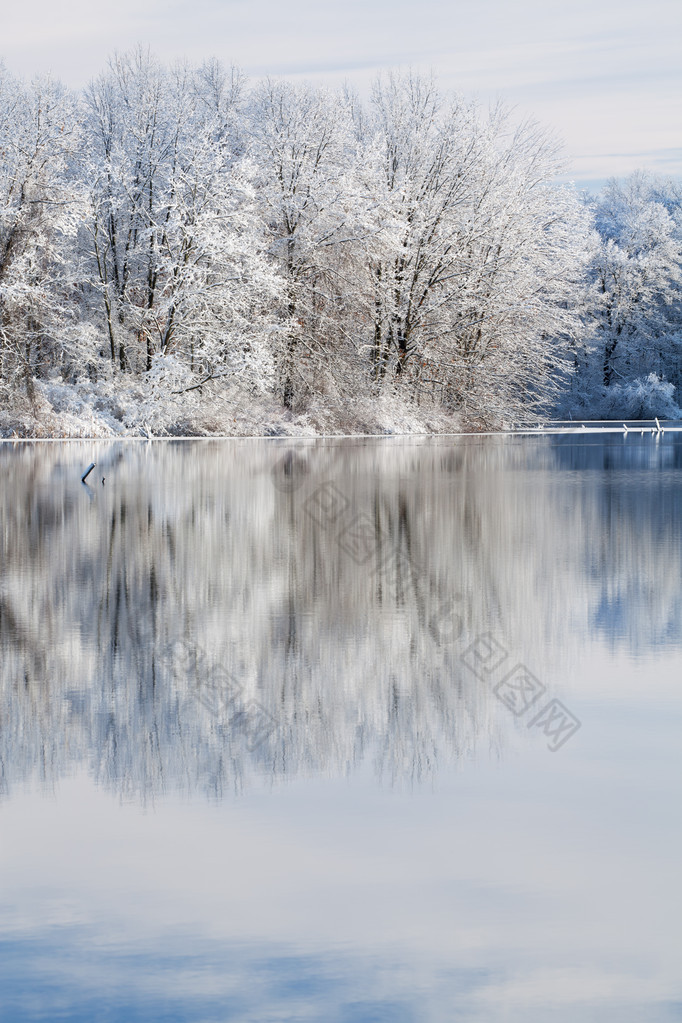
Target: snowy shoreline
116,409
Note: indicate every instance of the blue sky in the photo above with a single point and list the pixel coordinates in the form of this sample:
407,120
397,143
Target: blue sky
606,77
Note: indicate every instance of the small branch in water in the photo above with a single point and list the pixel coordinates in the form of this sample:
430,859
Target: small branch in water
87,472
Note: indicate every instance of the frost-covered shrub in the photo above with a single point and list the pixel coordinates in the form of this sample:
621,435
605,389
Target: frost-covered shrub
643,398
160,396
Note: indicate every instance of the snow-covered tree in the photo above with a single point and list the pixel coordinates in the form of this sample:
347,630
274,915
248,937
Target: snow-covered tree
174,235
633,327
475,270
639,274
39,211
300,141
528,243
129,146
412,253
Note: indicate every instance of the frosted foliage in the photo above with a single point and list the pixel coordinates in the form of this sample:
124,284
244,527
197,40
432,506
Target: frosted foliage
646,398
301,261
633,357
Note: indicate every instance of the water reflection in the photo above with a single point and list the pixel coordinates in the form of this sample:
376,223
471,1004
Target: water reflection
220,608
223,618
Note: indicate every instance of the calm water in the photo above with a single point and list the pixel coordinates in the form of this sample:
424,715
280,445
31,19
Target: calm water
341,731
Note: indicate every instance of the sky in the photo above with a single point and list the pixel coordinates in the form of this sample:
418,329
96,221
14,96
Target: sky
606,77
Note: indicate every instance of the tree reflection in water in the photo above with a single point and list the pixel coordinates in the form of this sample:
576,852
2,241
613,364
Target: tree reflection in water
342,626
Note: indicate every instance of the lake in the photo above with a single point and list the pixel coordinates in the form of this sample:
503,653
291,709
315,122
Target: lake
341,730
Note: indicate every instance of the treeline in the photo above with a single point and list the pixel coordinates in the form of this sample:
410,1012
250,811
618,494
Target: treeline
179,248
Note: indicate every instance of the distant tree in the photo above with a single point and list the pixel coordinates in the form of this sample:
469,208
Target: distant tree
638,271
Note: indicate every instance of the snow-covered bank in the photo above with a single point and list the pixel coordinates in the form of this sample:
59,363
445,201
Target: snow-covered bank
114,409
